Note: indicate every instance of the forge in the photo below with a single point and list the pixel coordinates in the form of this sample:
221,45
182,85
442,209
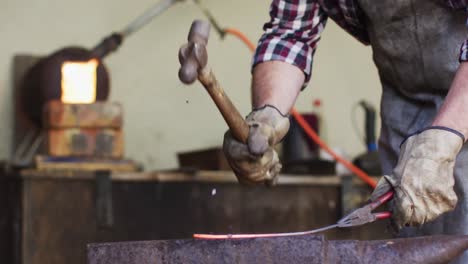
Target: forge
62,111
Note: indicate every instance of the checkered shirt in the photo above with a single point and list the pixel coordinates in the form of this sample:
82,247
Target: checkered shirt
295,27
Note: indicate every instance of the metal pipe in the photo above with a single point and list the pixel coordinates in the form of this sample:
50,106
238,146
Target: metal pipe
147,16
112,42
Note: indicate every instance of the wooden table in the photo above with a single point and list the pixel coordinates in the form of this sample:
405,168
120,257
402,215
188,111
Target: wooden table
54,214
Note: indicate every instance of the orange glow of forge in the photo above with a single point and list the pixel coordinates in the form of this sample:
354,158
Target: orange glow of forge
79,82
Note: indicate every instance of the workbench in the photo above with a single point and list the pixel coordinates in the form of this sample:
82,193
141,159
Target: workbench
52,215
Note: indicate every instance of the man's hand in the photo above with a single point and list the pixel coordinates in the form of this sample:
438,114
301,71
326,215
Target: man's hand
257,161
423,178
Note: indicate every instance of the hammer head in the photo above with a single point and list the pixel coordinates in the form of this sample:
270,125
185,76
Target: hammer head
192,55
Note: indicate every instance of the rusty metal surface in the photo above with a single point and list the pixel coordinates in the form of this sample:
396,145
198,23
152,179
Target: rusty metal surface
95,115
306,249
102,143
427,250
284,250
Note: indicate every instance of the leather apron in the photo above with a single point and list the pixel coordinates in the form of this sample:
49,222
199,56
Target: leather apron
416,45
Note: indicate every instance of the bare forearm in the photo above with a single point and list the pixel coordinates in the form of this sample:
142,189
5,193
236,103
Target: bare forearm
276,83
454,111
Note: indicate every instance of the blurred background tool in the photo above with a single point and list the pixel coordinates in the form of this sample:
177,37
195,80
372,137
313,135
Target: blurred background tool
369,161
300,154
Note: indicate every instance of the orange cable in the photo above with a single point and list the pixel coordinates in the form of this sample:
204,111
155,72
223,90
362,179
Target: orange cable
241,36
312,135
306,127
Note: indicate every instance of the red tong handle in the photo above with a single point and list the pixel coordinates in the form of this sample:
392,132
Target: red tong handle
382,199
382,215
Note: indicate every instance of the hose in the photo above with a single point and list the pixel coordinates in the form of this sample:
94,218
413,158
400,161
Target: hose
241,36
306,127
312,135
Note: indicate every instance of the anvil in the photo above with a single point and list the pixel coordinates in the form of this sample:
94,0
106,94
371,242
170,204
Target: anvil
305,249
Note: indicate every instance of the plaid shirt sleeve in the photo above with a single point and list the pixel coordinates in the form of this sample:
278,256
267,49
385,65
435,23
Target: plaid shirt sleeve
292,34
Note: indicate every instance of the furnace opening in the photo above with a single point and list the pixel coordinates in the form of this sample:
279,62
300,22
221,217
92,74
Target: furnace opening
79,82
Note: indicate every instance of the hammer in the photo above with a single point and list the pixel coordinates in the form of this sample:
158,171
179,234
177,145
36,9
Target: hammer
194,64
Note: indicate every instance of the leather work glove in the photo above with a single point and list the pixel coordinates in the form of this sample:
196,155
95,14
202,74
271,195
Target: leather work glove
423,178
257,161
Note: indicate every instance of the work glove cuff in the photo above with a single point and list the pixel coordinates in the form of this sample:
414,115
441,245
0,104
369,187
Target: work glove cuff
434,142
448,129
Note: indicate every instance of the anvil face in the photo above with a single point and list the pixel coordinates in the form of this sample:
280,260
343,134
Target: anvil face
305,249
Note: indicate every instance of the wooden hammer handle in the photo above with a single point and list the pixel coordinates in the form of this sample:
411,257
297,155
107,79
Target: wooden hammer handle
193,61
234,120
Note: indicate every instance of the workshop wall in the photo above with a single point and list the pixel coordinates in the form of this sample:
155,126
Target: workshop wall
162,116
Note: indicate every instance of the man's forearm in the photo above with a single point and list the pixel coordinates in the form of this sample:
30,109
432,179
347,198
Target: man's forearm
454,111
276,83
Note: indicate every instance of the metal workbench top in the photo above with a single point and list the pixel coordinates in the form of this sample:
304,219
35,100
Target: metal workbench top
177,176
